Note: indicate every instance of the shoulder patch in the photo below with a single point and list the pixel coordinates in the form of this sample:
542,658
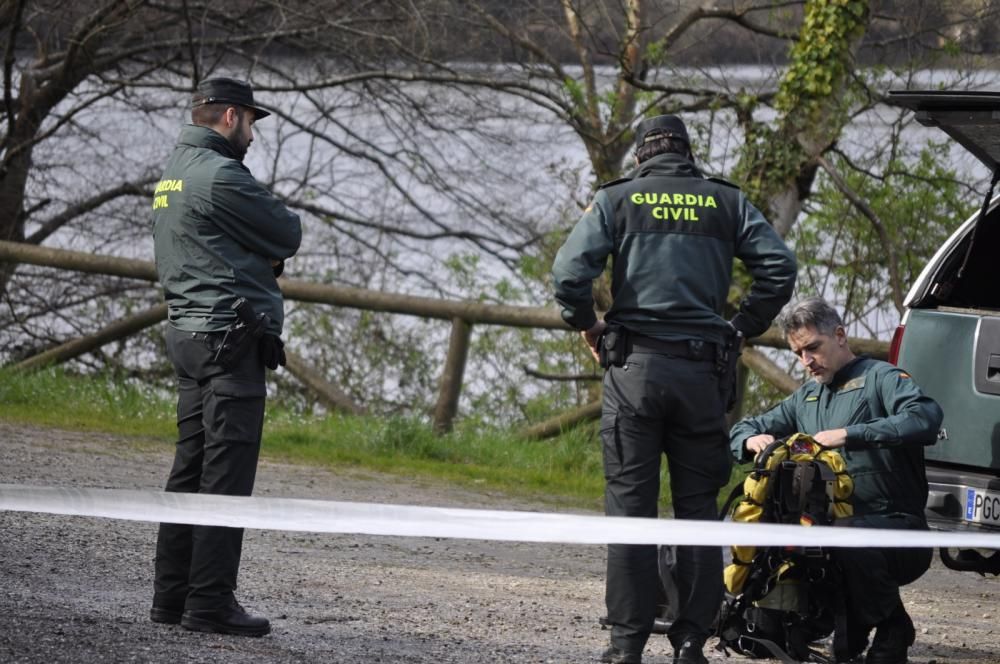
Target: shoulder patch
853,384
725,182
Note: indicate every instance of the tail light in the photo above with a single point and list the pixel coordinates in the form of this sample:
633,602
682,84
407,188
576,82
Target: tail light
897,341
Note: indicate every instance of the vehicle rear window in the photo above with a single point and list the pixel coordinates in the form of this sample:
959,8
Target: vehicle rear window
978,287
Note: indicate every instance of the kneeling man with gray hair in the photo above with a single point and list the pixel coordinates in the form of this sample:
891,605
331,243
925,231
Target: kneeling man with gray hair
880,420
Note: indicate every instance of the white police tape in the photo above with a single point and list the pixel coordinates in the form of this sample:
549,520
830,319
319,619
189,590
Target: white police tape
413,521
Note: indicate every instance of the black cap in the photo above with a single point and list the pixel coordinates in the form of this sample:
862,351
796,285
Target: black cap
661,126
222,90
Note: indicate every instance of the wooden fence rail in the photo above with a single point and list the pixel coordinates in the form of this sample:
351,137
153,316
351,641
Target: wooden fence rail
462,314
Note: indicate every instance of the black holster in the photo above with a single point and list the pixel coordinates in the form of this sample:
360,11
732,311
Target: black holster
242,336
727,358
611,346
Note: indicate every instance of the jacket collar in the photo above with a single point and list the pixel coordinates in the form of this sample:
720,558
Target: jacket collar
848,371
668,164
203,137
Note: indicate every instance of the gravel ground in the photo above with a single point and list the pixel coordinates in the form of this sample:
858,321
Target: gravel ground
78,589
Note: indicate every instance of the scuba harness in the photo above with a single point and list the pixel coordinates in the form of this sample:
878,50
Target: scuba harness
780,599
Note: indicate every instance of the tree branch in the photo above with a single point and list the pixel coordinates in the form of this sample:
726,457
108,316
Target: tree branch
883,234
55,223
10,57
593,111
479,239
523,42
737,16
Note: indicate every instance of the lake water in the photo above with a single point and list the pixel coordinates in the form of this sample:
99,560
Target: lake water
431,161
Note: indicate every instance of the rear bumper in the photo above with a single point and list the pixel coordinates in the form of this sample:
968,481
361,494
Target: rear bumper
955,499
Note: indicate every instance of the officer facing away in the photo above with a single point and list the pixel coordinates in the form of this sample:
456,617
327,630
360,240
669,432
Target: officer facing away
220,241
669,353
880,420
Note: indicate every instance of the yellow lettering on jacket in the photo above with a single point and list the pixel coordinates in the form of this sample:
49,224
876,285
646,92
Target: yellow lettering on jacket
674,206
675,213
164,187
169,185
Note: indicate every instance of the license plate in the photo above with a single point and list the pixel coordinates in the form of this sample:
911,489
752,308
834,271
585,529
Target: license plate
982,506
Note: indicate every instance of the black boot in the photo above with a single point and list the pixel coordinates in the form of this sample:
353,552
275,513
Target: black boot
231,619
167,608
690,652
856,642
893,638
615,655
166,614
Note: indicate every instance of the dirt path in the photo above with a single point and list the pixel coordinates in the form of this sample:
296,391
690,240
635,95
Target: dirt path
78,589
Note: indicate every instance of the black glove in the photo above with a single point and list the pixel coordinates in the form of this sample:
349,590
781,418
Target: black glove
278,268
272,351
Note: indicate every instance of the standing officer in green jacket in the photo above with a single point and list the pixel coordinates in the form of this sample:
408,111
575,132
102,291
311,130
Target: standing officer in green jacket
221,240
877,416
669,356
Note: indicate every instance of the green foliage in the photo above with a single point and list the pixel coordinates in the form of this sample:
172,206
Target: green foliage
385,361
769,161
656,53
820,58
498,386
918,200
811,98
951,48
464,270
576,93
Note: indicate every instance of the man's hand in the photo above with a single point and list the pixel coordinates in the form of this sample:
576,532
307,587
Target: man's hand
591,336
832,438
757,444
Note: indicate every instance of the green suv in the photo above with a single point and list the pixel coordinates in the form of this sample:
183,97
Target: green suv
949,338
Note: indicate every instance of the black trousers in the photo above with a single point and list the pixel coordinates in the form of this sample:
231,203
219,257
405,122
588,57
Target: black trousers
872,577
655,405
220,415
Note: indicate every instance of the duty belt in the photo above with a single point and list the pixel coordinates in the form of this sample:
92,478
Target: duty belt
692,349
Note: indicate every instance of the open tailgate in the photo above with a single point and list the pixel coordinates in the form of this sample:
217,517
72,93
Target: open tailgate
971,118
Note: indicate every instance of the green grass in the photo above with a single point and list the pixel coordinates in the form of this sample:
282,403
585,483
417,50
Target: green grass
563,471
566,469
87,403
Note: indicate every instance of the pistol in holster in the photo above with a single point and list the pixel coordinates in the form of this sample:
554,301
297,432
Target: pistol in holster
727,358
242,336
611,348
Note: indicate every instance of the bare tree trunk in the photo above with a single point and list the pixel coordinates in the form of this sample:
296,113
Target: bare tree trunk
778,165
42,87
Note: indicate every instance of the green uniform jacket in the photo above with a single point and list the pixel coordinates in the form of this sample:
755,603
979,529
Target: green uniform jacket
216,231
888,421
673,235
